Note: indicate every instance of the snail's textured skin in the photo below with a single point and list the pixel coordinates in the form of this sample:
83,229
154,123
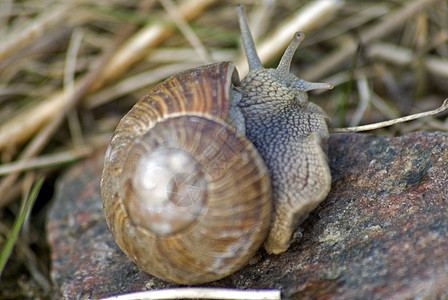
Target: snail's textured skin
288,132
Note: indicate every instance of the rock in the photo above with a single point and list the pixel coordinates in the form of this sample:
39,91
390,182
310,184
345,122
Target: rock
381,233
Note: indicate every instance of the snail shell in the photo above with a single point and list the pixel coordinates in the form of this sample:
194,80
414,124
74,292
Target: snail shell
186,197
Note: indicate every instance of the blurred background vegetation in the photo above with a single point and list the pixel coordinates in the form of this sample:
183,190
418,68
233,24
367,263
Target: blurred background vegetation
69,70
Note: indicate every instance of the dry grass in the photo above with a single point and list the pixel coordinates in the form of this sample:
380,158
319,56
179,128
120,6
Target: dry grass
70,69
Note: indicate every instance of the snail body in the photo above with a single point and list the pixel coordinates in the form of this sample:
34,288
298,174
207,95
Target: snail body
191,169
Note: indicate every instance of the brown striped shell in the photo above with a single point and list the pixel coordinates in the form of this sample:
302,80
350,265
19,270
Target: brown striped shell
186,197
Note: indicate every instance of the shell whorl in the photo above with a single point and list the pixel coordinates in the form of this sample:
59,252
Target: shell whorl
218,190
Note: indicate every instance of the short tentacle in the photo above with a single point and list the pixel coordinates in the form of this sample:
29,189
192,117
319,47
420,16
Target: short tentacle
285,65
306,86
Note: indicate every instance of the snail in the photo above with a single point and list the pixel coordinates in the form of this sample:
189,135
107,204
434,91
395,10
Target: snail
205,168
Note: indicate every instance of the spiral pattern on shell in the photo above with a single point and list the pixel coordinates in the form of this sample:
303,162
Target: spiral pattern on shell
186,197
